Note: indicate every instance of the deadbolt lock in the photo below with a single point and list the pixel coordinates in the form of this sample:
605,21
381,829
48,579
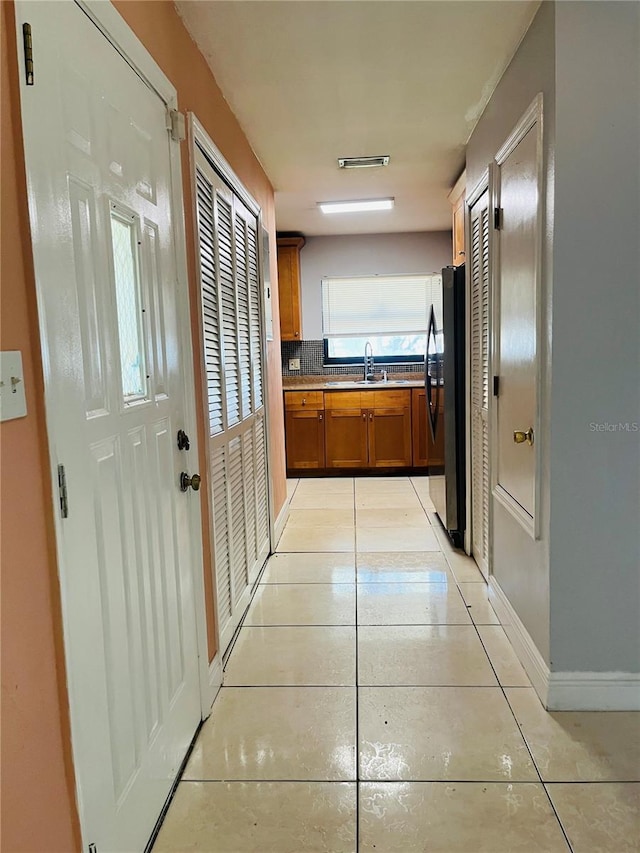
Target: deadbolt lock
520,436
183,440
186,481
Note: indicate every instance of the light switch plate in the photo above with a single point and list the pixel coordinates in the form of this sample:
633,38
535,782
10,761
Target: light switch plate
294,364
13,403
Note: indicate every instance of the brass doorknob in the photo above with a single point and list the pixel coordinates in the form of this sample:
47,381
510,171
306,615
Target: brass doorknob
186,481
520,436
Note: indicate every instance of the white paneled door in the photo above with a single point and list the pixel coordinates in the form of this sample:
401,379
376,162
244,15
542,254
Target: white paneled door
480,485
112,310
232,336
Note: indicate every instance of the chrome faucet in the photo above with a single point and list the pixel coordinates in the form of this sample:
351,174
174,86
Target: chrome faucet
368,362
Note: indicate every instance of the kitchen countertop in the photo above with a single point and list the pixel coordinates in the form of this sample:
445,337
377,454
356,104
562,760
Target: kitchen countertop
350,382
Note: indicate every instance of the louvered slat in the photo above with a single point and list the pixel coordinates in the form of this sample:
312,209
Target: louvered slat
239,574
229,320
210,314
255,325
242,280
479,274
221,536
262,507
248,473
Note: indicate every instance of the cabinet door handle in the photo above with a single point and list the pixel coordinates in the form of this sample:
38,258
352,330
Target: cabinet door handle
296,334
320,417
364,416
304,401
370,416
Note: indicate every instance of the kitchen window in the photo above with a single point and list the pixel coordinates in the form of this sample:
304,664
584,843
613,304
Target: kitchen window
392,312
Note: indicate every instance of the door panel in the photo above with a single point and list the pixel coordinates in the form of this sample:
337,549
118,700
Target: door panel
304,439
99,174
516,407
231,313
480,485
346,438
389,437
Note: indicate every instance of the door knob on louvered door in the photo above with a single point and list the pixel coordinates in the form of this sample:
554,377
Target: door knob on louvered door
520,436
186,481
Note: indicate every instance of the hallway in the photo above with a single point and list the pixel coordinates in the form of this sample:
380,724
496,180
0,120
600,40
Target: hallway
372,702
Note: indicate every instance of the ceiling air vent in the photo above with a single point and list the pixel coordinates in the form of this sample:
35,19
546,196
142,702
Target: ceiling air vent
362,162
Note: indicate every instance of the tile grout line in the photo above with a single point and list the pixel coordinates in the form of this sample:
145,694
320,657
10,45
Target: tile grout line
524,740
355,569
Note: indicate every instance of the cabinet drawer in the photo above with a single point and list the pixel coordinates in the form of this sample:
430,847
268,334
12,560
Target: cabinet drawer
344,399
388,399
303,400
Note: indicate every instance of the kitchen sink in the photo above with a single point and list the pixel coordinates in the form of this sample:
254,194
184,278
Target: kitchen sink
377,382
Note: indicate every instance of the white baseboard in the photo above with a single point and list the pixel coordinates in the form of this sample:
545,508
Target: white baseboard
280,522
524,647
594,691
215,679
564,691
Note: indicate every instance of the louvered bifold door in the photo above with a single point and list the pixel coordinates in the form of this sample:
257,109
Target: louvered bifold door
480,484
233,354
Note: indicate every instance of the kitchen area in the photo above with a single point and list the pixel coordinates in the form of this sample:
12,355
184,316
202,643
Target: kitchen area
355,313
365,414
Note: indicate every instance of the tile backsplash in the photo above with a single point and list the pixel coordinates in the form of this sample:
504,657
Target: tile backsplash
311,355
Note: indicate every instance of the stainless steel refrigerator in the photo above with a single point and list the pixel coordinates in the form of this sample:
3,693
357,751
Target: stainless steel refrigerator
445,379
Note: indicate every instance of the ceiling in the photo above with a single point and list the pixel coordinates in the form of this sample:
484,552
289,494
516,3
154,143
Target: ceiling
313,81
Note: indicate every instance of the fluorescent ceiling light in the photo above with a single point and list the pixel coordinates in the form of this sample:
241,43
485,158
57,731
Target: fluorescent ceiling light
363,162
356,206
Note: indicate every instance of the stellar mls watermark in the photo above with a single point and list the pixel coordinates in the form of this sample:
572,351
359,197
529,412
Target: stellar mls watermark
628,426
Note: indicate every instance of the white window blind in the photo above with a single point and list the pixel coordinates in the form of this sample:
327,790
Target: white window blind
379,305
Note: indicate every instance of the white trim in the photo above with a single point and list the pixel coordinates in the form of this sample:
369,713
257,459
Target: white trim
116,30
200,137
281,520
594,691
458,188
524,647
564,691
214,681
533,116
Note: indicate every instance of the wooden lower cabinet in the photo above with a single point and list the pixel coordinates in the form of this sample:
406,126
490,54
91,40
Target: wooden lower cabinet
425,451
359,430
346,438
305,439
304,425
389,437
368,429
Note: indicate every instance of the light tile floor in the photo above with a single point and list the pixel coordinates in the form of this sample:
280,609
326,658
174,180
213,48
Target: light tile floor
372,702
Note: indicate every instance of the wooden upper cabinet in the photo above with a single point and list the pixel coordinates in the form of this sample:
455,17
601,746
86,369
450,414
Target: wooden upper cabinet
289,287
457,199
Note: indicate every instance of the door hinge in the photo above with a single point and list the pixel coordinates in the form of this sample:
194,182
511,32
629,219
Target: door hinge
28,53
497,218
496,386
176,123
62,492
93,848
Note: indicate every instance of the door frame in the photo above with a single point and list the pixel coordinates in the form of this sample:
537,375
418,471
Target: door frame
198,138
114,28
484,184
532,116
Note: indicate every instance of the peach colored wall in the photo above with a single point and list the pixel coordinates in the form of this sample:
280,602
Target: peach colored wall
160,29
38,793
38,788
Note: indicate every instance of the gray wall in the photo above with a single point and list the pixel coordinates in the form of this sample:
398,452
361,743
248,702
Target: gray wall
365,254
520,564
595,502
